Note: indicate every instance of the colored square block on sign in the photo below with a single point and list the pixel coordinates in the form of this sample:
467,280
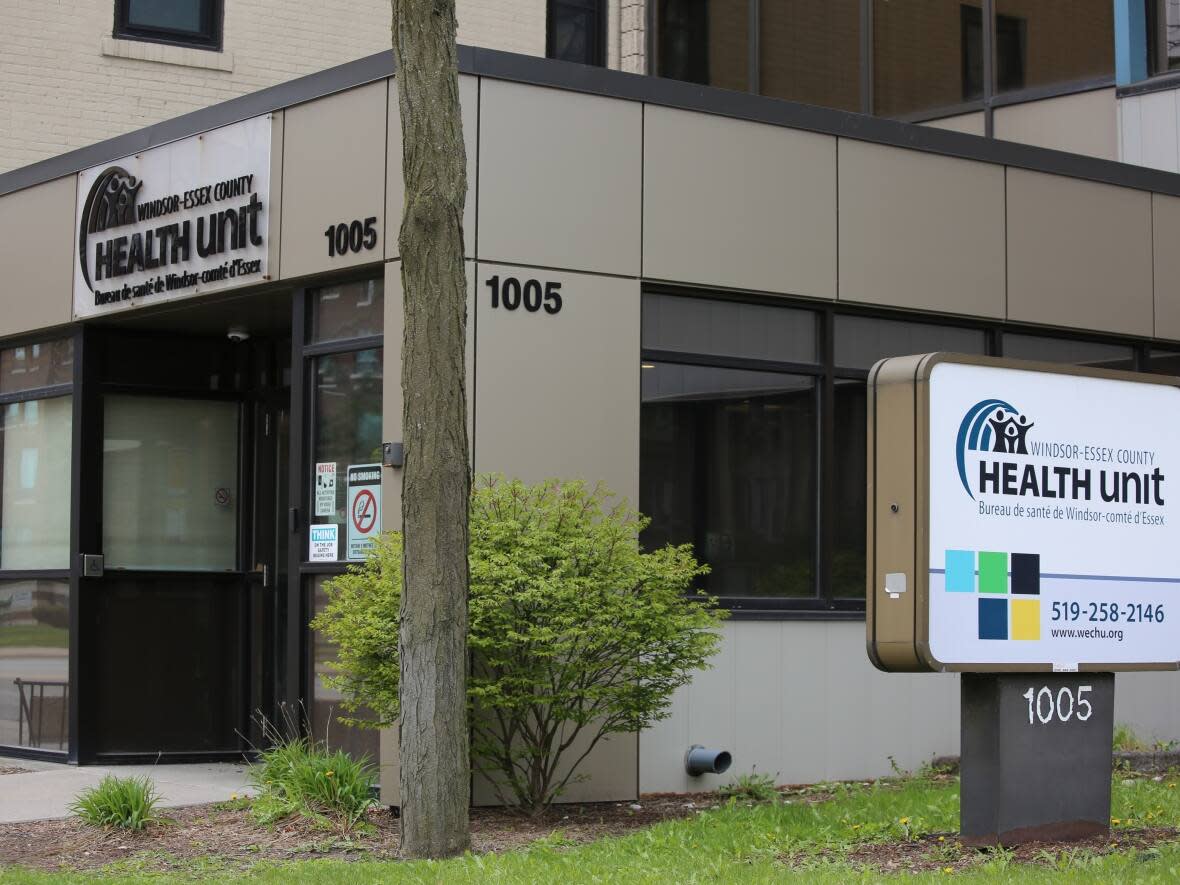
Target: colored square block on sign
993,572
1026,618
1026,573
960,571
993,619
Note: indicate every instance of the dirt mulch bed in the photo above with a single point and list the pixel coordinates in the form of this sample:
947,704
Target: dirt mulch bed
12,769
934,852
230,835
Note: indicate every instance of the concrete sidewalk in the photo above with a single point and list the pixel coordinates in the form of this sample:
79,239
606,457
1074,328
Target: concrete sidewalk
47,788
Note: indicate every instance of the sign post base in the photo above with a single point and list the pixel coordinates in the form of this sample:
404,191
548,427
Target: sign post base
1036,756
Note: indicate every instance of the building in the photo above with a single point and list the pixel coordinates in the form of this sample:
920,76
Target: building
198,317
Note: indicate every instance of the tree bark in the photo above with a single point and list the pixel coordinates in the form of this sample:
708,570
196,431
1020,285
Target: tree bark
435,756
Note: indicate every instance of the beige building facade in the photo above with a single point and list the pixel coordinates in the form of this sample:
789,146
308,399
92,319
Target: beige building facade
727,276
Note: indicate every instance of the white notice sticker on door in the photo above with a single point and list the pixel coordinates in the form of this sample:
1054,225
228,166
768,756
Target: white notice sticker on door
323,543
325,489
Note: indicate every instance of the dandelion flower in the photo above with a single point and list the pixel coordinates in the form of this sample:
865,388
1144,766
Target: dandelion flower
329,773
948,870
942,838
903,820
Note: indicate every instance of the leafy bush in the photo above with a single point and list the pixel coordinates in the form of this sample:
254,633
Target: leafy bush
125,802
298,776
575,633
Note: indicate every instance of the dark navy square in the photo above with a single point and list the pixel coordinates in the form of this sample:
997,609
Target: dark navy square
1026,573
993,618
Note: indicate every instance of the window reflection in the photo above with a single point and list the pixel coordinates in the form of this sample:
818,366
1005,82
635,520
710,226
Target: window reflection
34,664
1067,350
35,496
1045,42
728,464
349,310
326,709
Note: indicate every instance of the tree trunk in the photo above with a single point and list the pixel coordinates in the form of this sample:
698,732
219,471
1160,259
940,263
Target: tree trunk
435,756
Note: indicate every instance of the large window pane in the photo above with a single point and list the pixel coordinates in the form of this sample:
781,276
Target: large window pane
1043,42
326,709
170,483
809,51
728,464
350,310
36,365
1164,362
1163,22
849,454
704,42
728,328
576,29
34,664
861,341
1066,350
927,54
35,499
347,426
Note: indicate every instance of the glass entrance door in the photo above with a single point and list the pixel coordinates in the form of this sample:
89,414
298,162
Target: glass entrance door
170,616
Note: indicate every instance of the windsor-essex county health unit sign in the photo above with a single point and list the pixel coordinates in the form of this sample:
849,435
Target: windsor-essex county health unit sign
177,220
1022,517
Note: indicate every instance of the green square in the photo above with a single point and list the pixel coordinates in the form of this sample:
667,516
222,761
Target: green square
993,572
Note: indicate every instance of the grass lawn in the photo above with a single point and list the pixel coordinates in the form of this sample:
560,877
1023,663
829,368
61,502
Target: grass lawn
34,636
826,841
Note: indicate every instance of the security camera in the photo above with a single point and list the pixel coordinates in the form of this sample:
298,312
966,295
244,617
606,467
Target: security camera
237,334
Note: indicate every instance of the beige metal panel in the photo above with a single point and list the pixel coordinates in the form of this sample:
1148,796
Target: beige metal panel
333,172
560,182
274,233
1082,123
1079,254
557,395
971,124
1149,703
738,204
395,192
38,251
837,716
1166,236
391,390
921,230
389,767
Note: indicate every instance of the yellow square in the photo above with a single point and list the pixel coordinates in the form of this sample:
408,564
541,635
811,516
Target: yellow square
1026,619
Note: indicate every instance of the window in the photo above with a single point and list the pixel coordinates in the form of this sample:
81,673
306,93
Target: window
927,54
809,51
1163,29
185,22
576,31
35,673
704,41
1069,350
1050,42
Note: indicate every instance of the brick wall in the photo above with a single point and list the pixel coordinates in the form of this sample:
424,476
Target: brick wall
65,83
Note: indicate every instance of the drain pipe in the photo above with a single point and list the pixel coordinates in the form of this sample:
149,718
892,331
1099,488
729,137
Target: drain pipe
705,760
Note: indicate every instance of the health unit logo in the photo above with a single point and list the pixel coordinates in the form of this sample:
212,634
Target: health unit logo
991,425
1006,610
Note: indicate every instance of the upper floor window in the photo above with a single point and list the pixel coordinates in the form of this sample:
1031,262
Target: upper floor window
185,22
576,31
1163,35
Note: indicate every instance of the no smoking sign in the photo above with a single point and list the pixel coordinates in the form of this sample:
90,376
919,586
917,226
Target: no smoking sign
364,508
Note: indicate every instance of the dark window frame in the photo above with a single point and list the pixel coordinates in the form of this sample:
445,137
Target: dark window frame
209,37
824,605
596,51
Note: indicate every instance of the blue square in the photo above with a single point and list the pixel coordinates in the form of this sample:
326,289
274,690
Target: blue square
993,618
960,571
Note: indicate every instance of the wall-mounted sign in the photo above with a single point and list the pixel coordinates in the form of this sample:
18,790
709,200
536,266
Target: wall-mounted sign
177,220
364,508
1022,517
323,543
325,488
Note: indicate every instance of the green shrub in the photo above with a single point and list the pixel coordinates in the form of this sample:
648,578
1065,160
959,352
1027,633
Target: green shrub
1126,741
752,787
125,802
575,632
298,776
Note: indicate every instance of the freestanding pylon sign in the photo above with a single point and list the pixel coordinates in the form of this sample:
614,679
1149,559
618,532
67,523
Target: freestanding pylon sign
1018,533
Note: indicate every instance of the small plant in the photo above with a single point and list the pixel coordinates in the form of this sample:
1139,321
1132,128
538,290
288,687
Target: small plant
298,776
125,802
1126,741
752,787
